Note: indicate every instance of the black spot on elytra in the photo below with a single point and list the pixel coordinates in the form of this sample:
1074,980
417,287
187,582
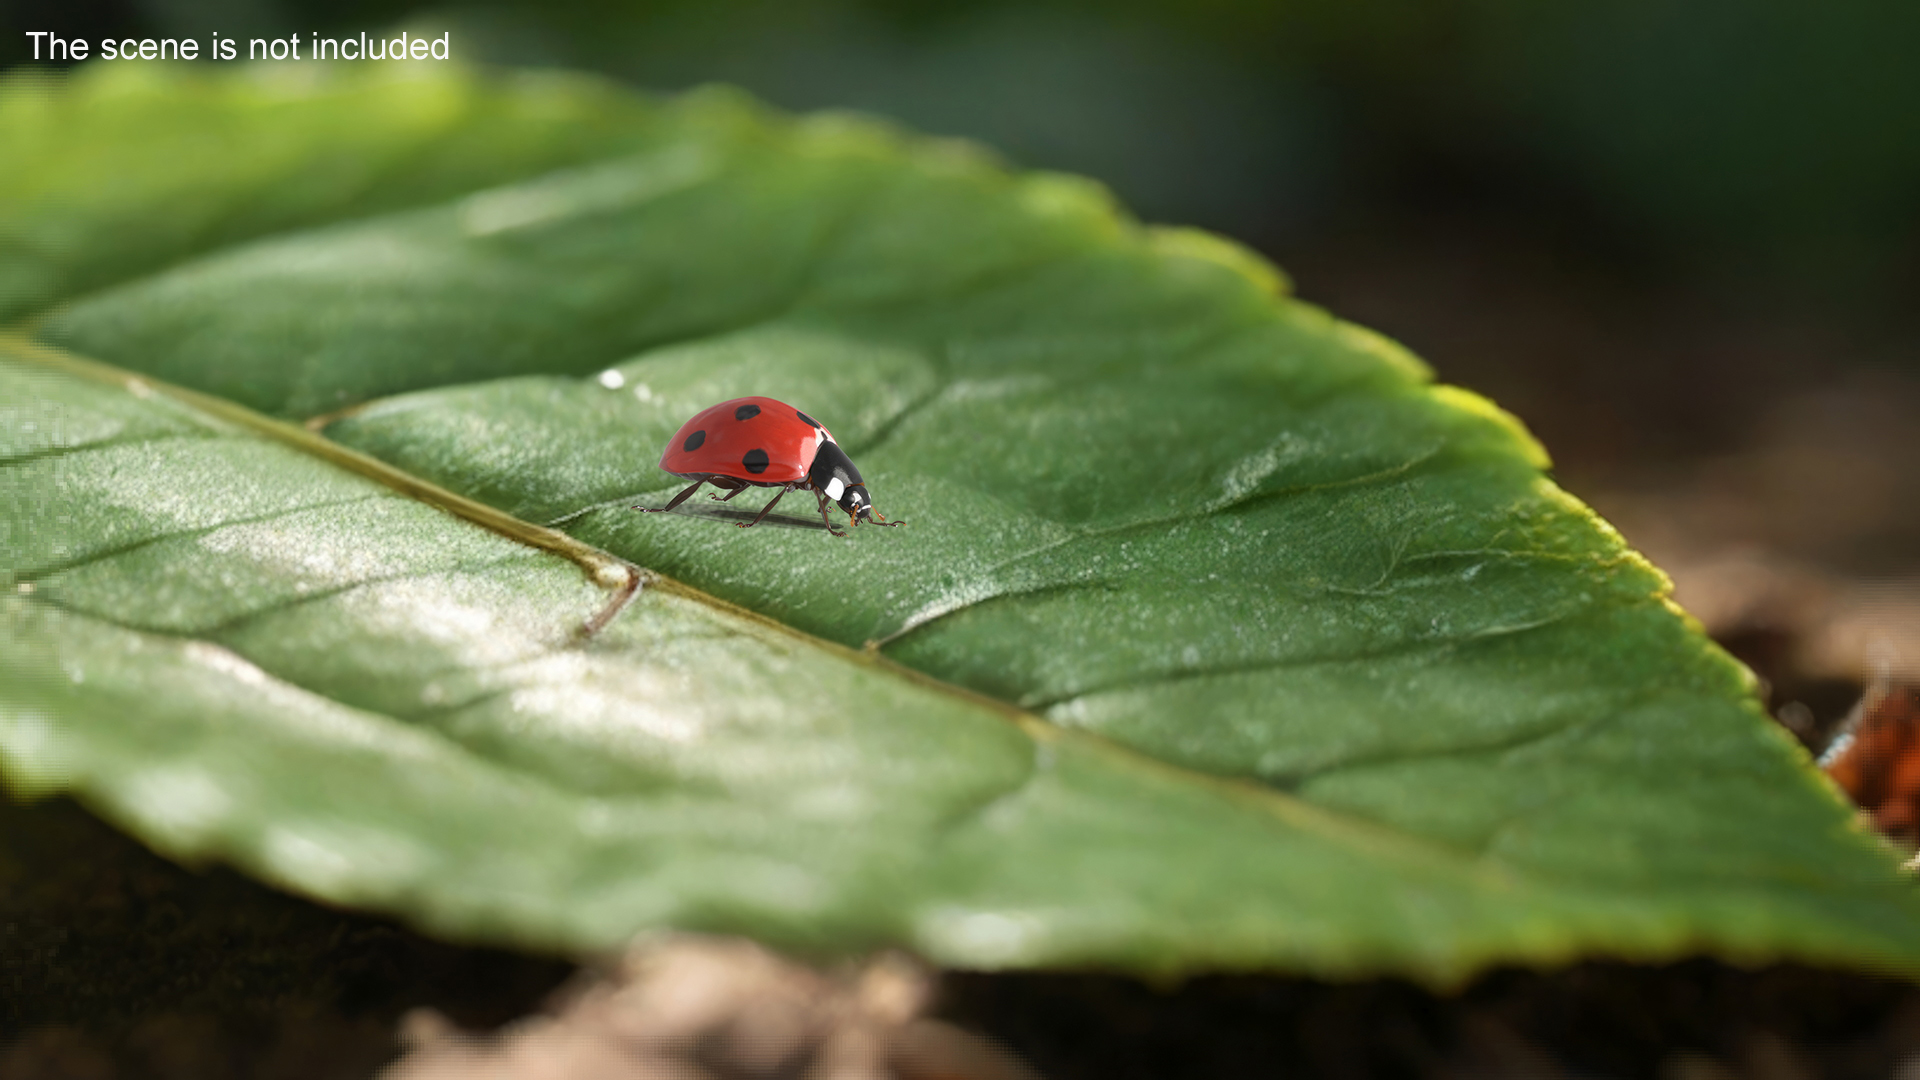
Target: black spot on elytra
693,441
746,412
755,461
810,420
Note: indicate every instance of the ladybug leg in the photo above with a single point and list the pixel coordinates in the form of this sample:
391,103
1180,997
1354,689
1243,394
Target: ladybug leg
727,484
765,509
823,513
677,500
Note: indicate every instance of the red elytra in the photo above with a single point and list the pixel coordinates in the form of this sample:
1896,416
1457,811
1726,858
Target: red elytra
762,442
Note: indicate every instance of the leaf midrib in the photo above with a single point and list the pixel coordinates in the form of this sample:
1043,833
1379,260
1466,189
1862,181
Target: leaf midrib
613,573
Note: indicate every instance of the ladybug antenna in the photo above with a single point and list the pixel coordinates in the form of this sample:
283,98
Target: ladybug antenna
859,507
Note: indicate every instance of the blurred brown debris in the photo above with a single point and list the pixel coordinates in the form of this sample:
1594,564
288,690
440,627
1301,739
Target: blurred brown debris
1877,760
693,1008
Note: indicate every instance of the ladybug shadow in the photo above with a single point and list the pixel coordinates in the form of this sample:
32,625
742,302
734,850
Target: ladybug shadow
741,517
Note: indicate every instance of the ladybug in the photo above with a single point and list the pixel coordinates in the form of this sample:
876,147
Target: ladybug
760,442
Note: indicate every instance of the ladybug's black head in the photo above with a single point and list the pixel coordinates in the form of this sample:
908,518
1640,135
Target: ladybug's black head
833,473
857,503
860,508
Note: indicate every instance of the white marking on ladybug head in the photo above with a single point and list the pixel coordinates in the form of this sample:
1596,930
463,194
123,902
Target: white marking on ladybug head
834,489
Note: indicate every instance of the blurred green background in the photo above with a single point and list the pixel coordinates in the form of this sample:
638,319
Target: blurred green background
1772,144
1660,232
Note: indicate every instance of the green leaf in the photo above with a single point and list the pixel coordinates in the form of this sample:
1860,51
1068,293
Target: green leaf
1218,637
133,168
